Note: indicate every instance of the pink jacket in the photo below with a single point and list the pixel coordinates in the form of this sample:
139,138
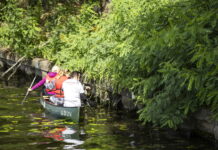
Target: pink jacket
40,83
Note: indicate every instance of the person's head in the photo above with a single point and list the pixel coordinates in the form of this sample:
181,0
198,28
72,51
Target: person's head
75,75
55,69
67,73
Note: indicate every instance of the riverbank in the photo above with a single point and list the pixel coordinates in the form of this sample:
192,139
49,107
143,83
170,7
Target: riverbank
37,66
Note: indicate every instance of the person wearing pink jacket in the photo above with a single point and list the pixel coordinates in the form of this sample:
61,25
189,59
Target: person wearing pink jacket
51,76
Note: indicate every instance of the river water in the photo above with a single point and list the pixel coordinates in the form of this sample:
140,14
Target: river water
29,127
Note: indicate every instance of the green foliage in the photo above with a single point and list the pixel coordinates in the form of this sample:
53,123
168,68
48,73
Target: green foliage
19,30
165,51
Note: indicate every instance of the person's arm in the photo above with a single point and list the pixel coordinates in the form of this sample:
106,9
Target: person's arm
40,83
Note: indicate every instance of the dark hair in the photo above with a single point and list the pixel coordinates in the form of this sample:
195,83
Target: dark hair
75,74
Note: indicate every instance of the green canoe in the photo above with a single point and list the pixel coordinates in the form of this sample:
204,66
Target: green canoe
71,113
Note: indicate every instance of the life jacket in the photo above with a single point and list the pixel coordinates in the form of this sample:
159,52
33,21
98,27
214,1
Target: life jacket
58,86
51,81
55,134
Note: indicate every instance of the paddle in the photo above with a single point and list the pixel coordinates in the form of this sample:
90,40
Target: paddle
28,89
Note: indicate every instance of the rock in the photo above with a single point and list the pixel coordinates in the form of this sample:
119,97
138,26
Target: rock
45,66
4,52
28,69
216,131
1,64
36,64
127,100
206,126
204,121
10,58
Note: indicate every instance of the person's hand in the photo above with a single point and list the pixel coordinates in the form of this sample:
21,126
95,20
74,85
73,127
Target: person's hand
46,81
87,88
29,89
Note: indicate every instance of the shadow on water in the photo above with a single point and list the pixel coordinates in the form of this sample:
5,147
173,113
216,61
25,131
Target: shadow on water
30,127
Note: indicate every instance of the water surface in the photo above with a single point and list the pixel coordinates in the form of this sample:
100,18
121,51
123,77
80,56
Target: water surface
28,127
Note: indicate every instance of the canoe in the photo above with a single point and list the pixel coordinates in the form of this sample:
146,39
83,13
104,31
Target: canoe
71,113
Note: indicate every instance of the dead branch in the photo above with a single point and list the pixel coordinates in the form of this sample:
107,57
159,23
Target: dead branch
15,70
14,65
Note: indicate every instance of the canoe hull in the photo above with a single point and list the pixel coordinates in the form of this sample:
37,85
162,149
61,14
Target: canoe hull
71,113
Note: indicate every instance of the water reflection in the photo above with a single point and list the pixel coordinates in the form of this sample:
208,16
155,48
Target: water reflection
69,134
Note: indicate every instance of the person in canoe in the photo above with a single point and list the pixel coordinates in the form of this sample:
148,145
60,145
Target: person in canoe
48,81
73,90
58,97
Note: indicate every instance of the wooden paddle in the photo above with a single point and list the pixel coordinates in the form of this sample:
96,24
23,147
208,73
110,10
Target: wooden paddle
28,90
